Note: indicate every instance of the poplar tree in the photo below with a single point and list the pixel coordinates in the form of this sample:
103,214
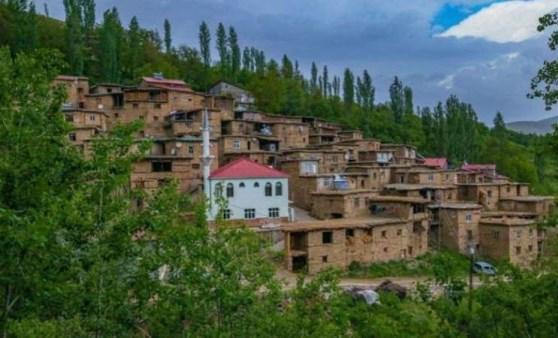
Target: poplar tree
221,44
132,50
205,44
234,52
111,46
74,36
168,36
368,94
314,77
348,88
408,98
397,100
247,60
325,77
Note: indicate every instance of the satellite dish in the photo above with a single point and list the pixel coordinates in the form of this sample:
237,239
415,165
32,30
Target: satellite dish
347,156
178,144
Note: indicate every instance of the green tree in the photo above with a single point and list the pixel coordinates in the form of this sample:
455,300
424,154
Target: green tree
222,49
205,44
110,46
397,100
234,52
348,88
168,36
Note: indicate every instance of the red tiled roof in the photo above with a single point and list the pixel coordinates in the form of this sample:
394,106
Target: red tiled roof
477,167
244,168
441,162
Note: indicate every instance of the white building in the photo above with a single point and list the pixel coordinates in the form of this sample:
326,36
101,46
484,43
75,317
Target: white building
250,191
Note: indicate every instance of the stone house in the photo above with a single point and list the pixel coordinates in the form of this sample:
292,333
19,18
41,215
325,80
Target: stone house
350,203
77,87
430,192
513,239
243,99
350,135
337,243
402,153
455,226
543,206
251,192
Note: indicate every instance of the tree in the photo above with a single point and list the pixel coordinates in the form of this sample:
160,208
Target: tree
74,35
408,98
313,77
168,36
397,100
234,52
205,43
110,46
132,51
544,85
221,44
368,91
348,88
325,79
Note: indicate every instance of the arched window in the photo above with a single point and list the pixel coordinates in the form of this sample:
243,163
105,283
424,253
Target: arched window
230,190
256,185
278,189
241,185
218,190
268,189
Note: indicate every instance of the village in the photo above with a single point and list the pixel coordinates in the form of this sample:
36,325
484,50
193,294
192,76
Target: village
364,201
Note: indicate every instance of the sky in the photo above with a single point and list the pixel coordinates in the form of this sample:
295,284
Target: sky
485,52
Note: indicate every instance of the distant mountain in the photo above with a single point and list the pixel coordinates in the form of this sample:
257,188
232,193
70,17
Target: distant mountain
533,127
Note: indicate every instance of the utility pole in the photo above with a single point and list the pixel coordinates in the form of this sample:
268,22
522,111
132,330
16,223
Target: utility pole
471,256
206,157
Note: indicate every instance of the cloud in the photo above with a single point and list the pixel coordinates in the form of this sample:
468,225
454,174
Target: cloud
512,21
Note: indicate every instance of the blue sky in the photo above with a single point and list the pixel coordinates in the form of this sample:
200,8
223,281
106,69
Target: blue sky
485,52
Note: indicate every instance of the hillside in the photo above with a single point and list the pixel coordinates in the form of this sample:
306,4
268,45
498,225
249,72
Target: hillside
533,127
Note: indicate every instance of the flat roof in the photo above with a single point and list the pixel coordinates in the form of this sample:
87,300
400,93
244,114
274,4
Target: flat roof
500,213
384,198
506,221
408,186
344,192
343,223
530,198
465,206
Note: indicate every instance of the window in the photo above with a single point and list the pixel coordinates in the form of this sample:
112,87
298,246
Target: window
256,185
324,259
470,235
384,234
327,237
82,105
518,234
92,117
268,189
116,115
218,190
430,176
399,232
155,118
418,208
72,137
496,235
530,233
357,202
530,248
468,217
278,189
517,250
489,193
195,165
385,249
157,166
242,185
410,250
368,232
249,213
335,159
227,214
191,150
508,189
230,190
349,233
273,212
135,106
69,118
236,144
157,106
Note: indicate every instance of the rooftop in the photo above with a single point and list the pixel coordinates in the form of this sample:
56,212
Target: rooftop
384,198
505,221
405,186
345,223
440,162
344,192
530,198
244,168
465,206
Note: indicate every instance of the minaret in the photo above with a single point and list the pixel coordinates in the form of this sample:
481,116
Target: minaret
206,157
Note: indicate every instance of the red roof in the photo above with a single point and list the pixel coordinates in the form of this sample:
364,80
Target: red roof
478,167
165,82
244,168
441,162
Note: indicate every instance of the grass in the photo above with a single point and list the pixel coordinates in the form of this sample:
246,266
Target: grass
433,264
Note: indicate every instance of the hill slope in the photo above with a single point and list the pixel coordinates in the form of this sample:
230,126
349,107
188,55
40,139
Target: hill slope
533,127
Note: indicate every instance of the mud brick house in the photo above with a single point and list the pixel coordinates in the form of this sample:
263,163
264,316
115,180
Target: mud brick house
489,194
376,176
314,246
87,124
542,206
455,226
251,192
350,135
512,239
436,163
77,87
402,153
243,99
431,192
350,203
